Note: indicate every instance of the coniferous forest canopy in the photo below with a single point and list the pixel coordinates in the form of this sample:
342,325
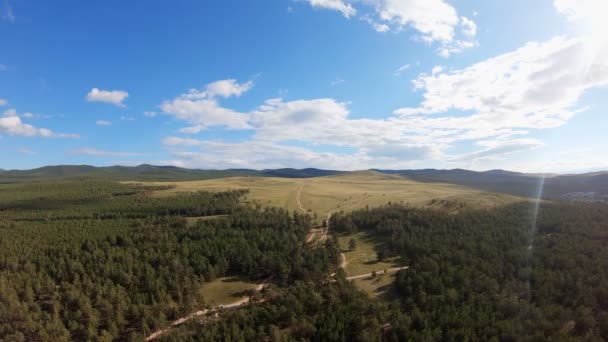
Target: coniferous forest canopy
94,260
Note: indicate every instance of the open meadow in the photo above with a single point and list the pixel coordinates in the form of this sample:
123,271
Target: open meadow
347,192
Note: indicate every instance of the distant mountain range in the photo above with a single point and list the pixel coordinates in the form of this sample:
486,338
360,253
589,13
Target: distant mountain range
146,172
522,184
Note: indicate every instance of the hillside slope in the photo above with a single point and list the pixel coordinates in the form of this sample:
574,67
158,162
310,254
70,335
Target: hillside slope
514,183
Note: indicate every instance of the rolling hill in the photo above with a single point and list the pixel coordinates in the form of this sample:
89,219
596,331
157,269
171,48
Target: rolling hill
515,183
498,181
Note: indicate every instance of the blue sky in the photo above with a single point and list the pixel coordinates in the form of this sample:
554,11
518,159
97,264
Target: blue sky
335,84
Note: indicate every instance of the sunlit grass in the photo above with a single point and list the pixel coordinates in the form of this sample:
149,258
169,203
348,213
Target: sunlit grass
364,258
225,290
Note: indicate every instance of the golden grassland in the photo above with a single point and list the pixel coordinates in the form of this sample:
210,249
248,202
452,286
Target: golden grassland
322,195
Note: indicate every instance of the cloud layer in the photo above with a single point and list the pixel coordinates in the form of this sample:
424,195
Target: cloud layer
115,97
495,104
434,21
101,153
12,124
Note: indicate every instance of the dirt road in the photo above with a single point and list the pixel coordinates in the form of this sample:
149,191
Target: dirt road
388,271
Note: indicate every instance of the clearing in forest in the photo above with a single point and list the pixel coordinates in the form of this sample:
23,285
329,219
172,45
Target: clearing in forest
226,290
380,286
364,257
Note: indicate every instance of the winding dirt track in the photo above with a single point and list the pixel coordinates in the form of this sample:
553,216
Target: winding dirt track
298,197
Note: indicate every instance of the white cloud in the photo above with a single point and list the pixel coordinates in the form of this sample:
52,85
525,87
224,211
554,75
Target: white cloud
103,123
101,153
228,88
223,88
115,97
11,124
535,87
457,46
436,69
469,28
313,122
13,112
338,5
381,27
436,21
201,108
402,69
205,112
192,129
337,81
575,10
590,14
278,120
150,114
565,160
3,102
497,149
265,154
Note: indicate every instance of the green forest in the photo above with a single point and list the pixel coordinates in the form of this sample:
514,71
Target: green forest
95,260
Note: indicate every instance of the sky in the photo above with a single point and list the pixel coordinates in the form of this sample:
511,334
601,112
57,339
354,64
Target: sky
335,84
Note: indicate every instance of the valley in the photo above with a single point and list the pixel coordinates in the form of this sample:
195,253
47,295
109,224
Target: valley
102,259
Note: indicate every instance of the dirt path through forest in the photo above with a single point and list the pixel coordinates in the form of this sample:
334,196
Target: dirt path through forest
388,271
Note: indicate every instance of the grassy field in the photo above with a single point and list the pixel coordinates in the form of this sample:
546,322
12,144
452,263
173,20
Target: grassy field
225,290
378,287
364,258
347,192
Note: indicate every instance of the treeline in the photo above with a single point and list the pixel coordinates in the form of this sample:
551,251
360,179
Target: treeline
107,200
122,278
